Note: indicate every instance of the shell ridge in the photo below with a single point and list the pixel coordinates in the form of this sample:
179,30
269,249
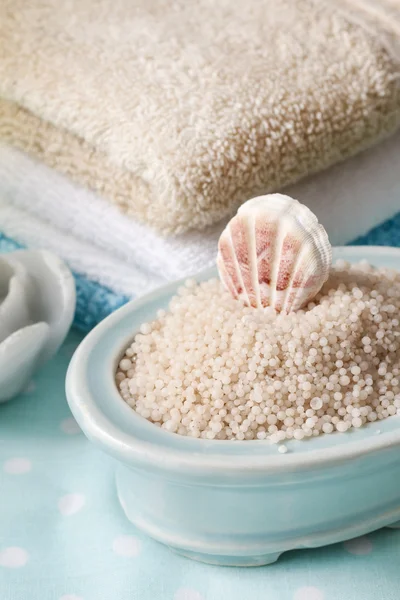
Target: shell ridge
237,266
276,260
226,277
289,288
306,273
251,236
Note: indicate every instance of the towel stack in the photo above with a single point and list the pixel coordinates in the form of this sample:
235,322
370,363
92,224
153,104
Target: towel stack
130,132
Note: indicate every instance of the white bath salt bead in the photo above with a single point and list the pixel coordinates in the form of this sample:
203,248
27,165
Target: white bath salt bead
341,426
356,422
310,423
282,449
272,419
327,428
170,425
316,403
261,419
125,364
298,434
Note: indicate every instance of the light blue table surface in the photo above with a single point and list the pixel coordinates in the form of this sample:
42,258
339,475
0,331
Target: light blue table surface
63,535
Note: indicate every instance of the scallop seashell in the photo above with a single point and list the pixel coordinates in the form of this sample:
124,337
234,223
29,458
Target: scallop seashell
274,253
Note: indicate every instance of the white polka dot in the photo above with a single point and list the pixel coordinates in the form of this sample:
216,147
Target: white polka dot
359,546
187,594
70,504
308,593
70,426
71,597
30,388
13,557
126,545
17,466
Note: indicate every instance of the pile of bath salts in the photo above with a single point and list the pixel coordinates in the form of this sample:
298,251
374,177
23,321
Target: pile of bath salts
212,368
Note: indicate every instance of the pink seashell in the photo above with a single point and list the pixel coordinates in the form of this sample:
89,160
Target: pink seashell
274,253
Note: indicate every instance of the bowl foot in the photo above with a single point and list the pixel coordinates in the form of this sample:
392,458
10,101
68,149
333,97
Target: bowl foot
229,561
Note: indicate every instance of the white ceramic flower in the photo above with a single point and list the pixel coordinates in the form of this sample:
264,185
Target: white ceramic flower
37,304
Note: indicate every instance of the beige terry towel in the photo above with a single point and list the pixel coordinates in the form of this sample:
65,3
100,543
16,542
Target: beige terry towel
179,110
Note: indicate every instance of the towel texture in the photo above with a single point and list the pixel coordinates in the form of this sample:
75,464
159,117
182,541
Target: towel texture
180,111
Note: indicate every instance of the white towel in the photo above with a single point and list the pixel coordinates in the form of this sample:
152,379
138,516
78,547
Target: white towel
39,207
82,257
52,198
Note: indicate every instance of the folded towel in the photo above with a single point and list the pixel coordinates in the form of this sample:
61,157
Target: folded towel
178,112
40,208
45,195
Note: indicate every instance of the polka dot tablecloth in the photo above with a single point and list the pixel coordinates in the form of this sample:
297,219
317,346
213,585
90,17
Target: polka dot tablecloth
63,535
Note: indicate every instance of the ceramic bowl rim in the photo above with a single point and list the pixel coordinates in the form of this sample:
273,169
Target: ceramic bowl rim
132,450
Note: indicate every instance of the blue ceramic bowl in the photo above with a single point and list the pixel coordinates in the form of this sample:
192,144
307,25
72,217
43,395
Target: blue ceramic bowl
233,503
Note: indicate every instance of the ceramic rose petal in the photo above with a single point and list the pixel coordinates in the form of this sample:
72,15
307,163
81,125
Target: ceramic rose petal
37,304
